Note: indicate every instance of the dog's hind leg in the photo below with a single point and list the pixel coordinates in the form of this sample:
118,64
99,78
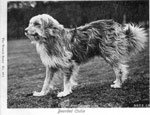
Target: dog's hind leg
118,81
47,83
121,72
124,72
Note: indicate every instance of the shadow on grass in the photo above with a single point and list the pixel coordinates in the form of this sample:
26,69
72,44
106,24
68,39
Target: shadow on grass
134,93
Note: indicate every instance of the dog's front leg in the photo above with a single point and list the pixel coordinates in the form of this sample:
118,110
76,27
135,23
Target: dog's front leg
67,87
47,83
68,73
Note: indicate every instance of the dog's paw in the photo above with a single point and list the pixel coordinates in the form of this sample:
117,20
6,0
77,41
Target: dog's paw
115,86
115,81
63,94
38,94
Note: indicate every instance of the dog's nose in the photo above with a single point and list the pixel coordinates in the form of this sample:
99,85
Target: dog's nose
26,30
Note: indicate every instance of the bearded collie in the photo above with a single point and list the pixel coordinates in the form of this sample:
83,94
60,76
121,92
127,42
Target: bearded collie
64,50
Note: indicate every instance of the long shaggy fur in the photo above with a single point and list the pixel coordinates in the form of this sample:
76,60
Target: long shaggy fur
65,49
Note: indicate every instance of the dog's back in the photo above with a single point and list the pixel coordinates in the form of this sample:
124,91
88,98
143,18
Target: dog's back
106,38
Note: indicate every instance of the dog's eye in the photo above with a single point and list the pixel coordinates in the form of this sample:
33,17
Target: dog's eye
36,24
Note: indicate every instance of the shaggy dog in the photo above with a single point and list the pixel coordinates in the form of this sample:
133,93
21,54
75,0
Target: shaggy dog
64,50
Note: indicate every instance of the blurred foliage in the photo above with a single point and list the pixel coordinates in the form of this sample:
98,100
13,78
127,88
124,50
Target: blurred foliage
74,13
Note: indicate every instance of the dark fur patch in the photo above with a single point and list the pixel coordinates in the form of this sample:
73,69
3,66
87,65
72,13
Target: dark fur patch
93,39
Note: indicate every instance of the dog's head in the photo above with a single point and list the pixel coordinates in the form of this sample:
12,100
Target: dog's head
40,27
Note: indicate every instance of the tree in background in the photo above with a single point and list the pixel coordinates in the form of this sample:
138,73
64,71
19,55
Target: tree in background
71,13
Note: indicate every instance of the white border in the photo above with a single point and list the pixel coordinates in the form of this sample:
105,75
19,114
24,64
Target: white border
49,111
3,38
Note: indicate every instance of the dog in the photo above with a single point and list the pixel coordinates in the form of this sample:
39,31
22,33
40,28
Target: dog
64,50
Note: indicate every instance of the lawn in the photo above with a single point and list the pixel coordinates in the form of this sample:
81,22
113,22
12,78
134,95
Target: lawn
26,74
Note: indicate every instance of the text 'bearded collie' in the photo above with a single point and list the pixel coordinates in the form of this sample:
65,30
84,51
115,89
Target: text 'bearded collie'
64,50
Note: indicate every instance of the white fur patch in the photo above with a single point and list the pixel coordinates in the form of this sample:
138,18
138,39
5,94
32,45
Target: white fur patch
124,72
51,61
139,34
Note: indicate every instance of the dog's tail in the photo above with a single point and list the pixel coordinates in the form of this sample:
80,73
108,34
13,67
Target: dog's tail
136,37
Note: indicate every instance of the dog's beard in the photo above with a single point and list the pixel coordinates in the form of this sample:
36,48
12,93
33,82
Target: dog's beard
34,38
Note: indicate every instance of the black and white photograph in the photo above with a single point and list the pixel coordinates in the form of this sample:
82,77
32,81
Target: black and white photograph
75,55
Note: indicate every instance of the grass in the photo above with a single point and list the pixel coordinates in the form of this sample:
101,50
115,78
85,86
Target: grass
26,74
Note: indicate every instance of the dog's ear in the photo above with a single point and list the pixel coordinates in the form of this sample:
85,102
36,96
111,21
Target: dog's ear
53,33
50,22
